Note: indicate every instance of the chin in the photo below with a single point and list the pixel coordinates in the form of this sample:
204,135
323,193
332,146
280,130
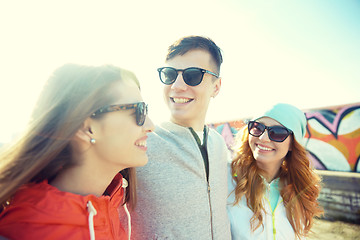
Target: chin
143,162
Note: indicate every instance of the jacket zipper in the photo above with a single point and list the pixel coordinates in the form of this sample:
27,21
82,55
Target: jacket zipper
197,141
272,213
211,216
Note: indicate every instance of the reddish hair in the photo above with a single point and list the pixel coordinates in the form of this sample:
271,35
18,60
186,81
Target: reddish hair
299,185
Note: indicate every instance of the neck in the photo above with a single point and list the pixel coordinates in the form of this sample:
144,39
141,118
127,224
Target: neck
270,171
196,125
84,180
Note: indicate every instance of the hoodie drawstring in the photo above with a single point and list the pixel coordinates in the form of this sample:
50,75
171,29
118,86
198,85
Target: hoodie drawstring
124,185
92,212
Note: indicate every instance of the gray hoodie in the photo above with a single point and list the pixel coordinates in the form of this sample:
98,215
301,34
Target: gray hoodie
175,201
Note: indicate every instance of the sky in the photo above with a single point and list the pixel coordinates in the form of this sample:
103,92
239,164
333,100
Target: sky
302,52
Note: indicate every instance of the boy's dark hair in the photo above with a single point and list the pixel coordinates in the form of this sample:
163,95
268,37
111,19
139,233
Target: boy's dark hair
185,44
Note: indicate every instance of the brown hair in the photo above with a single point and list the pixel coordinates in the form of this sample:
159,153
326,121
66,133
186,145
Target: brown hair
185,44
300,185
69,97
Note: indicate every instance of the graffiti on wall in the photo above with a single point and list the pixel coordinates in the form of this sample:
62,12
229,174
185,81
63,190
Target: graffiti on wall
332,138
228,130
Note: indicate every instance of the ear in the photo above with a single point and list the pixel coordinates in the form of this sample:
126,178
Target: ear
84,133
217,86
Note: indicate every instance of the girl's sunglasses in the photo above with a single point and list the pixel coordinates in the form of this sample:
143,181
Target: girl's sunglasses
141,110
192,76
275,133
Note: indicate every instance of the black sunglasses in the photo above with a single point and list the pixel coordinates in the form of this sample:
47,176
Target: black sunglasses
141,110
192,76
275,133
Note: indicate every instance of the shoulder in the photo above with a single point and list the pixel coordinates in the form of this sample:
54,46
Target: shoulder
32,193
215,138
217,145
169,130
23,209
213,133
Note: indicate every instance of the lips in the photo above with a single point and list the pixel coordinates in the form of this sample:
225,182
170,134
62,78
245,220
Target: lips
141,143
264,148
180,100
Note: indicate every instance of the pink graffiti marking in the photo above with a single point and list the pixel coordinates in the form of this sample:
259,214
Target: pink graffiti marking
331,126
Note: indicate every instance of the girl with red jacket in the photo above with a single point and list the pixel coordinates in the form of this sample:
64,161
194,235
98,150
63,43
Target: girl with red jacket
66,176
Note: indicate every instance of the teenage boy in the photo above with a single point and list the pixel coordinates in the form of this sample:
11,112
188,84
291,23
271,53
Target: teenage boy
182,190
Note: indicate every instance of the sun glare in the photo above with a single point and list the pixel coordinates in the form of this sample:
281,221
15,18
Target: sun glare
271,53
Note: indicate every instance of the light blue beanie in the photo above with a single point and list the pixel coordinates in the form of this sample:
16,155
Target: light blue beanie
290,117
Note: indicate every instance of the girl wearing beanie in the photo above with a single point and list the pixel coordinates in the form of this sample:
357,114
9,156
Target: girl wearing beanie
273,189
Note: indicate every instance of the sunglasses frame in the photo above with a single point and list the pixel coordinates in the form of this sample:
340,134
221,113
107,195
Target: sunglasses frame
203,71
289,132
140,117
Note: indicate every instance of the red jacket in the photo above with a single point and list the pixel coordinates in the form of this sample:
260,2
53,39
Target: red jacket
41,211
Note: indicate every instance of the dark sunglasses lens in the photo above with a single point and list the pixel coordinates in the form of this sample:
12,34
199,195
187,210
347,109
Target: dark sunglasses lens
168,75
193,76
278,134
141,111
256,129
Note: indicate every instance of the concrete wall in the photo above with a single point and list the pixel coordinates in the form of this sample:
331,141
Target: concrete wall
340,195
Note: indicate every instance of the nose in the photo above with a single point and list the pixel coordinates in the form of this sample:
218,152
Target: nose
148,125
179,83
265,136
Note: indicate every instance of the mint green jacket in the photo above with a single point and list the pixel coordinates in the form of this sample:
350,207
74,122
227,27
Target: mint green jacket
275,222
